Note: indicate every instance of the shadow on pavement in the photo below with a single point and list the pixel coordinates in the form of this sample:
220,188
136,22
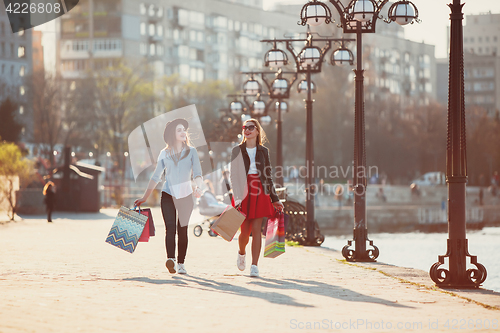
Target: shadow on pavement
148,280
324,289
227,288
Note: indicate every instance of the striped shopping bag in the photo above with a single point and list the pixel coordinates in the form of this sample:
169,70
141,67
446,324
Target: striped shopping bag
275,236
126,229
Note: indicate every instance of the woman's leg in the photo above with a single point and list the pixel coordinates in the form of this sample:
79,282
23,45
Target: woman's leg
256,239
185,208
246,228
170,219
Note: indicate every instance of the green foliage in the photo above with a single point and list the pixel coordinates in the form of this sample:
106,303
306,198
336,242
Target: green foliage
12,166
9,127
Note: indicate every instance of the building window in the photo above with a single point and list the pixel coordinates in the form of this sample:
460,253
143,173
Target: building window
2,49
12,70
22,70
159,13
159,29
144,49
21,32
3,69
151,10
143,28
21,109
151,29
22,91
152,49
142,9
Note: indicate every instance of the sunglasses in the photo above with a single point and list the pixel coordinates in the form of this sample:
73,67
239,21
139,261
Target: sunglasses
249,127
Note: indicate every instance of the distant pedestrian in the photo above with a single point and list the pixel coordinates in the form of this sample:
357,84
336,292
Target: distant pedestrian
49,192
179,160
256,194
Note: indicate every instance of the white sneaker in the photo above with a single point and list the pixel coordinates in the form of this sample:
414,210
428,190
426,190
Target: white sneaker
170,265
181,269
254,271
241,263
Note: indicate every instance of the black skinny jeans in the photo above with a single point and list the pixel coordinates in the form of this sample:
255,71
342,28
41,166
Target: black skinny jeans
169,209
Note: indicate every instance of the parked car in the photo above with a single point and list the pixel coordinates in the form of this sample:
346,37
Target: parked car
430,178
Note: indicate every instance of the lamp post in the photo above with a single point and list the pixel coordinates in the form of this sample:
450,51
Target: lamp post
278,89
457,275
307,62
359,16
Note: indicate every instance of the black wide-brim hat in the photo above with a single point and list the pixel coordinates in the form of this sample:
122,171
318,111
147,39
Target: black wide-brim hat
171,125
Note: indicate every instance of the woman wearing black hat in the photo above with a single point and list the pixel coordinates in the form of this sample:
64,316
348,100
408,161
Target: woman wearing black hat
181,164
256,193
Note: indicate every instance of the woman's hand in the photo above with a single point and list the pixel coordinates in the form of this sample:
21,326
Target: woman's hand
139,202
197,192
278,205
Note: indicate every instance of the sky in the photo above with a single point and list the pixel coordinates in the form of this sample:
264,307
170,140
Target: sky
435,16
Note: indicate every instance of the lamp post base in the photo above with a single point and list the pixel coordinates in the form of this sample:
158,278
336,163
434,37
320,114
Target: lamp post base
457,275
361,254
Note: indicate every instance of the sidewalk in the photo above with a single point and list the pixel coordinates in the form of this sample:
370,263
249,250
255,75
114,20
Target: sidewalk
63,277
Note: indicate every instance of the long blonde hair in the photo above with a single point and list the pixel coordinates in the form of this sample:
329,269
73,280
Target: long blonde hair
261,138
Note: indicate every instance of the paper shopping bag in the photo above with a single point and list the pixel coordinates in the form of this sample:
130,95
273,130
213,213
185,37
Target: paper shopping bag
228,223
126,229
275,236
149,228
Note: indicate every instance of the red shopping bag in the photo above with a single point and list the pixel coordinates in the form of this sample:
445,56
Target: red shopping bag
149,228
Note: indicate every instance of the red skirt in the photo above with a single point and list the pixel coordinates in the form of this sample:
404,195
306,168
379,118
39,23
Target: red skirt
257,203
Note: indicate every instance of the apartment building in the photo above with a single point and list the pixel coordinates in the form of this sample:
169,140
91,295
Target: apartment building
211,39
15,65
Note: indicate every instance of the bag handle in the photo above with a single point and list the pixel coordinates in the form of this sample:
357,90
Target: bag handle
139,208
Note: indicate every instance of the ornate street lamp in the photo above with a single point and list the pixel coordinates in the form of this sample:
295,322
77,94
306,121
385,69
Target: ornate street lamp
303,86
308,61
360,16
342,56
252,87
457,275
259,107
275,58
279,87
316,13
236,108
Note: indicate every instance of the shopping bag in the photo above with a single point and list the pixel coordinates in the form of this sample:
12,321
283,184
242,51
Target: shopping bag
127,229
275,236
228,223
149,228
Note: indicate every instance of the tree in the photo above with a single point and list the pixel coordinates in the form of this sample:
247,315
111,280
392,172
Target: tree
46,101
12,166
9,127
120,95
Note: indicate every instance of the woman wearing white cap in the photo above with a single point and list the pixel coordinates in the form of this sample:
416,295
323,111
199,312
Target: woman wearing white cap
181,164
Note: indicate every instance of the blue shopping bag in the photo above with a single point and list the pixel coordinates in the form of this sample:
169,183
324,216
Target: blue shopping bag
126,229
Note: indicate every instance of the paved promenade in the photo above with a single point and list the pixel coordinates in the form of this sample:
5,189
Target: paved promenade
63,277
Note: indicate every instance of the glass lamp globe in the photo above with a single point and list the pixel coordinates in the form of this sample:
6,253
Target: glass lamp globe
310,56
280,87
276,58
342,57
315,15
265,120
363,10
251,87
236,107
403,13
259,107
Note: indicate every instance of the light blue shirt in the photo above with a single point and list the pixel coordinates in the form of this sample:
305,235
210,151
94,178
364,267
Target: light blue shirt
178,175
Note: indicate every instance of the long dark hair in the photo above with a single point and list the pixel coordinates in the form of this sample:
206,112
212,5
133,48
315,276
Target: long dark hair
170,140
